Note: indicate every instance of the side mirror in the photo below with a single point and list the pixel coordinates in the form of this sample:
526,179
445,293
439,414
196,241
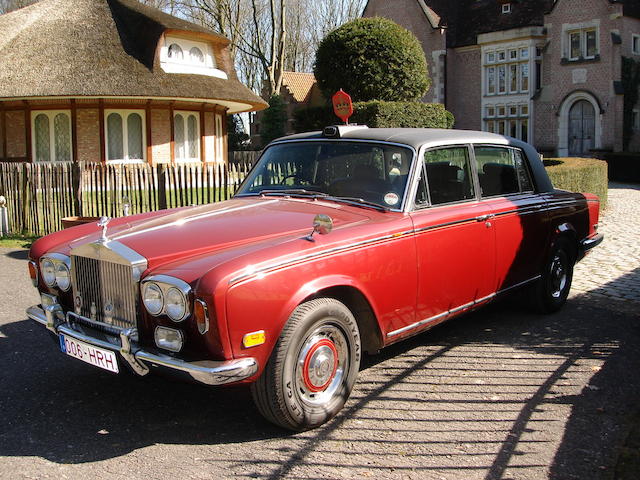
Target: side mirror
322,224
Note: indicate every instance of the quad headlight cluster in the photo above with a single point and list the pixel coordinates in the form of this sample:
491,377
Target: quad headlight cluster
55,269
162,294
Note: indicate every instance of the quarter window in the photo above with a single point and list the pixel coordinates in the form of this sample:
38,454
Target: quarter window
52,136
448,175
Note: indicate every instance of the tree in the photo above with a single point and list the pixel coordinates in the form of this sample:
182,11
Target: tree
238,139
273,120
372,59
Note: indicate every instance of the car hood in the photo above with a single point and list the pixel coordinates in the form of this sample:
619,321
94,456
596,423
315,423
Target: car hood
235,224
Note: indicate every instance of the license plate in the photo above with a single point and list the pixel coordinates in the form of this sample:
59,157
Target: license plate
95,356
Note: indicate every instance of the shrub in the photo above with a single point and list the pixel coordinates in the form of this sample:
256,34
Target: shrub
376,114
579,175
372,59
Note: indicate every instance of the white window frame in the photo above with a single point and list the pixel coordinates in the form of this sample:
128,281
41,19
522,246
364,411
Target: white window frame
186,159
51,115
124,113
581,29
219,137
635,44
187,65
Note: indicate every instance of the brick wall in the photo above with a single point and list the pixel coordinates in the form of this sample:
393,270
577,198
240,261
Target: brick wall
161,135
464,87
16,133
561,79
88,134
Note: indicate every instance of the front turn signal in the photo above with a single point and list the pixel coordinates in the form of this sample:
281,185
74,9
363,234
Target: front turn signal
254,338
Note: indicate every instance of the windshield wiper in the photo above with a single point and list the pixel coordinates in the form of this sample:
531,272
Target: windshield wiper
358,201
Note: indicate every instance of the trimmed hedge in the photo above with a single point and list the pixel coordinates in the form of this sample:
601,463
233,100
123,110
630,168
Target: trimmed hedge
579,175
378,114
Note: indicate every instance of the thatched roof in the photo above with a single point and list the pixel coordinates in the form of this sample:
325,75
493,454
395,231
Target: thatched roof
105,48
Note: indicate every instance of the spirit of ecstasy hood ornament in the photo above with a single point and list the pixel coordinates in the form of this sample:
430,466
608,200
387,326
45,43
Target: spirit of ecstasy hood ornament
103,222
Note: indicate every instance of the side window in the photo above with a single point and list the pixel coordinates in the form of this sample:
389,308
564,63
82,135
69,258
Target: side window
496,171
448,173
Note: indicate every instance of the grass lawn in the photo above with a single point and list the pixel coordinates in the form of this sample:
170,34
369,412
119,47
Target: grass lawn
17,241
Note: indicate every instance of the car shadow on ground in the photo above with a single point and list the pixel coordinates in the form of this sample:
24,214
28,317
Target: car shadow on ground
67,412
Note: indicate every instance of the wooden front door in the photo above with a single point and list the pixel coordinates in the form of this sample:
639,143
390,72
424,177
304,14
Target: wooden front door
582,128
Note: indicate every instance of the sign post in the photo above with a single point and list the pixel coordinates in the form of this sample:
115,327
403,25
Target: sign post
342,105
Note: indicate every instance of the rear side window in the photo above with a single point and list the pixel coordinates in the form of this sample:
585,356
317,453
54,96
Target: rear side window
448,174
501,171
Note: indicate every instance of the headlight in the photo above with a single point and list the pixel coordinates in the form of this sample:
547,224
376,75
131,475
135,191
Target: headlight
153,298
63,276
175,304
163,294
48,271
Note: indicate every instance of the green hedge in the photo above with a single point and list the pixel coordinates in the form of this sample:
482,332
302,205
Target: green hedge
378,114
579,175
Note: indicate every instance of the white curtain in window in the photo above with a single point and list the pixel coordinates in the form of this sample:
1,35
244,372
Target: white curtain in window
62,136
192,136
115,146
134,136
178,133
42,136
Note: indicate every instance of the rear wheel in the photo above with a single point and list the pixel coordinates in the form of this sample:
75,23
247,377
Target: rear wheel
550,292
313,366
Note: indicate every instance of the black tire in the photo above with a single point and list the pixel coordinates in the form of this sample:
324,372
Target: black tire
290,392
550,292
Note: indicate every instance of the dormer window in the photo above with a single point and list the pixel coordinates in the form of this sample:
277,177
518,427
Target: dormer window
175,53
184,55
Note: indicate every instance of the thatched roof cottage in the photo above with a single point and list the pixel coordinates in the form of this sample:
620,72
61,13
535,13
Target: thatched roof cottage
114,81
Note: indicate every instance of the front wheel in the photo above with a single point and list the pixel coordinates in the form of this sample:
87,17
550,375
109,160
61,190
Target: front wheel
550,292
312,368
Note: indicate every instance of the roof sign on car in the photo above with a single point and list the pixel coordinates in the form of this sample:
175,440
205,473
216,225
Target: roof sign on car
342,105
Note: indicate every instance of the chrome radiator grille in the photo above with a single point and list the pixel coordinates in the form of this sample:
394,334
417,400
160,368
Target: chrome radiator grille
104,291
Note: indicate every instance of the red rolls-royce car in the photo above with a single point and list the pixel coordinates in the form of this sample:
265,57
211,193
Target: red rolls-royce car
337,243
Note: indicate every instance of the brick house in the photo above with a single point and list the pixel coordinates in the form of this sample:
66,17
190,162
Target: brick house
299,89
545,71
114,81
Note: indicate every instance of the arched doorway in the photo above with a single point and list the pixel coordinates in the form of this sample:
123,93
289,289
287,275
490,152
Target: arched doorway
580,124
582,128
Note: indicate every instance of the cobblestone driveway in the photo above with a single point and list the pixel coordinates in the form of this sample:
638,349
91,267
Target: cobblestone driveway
608,269
498,394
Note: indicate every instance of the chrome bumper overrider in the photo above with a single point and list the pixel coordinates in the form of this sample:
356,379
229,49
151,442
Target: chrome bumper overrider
207,372
594,241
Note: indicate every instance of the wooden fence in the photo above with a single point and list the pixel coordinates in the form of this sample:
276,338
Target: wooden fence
40,195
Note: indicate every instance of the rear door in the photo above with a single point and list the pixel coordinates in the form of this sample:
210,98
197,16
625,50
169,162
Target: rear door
519,215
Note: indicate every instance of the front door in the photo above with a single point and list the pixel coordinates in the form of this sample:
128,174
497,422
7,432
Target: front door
582,128
454,242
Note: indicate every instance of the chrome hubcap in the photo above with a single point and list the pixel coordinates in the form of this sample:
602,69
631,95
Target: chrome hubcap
322,362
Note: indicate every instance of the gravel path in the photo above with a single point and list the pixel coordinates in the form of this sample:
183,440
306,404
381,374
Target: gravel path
498,394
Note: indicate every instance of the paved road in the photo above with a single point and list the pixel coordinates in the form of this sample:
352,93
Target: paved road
499,394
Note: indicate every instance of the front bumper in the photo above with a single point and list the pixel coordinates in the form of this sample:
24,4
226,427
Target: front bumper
207,372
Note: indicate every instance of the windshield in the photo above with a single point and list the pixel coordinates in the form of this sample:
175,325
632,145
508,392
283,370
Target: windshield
370,172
